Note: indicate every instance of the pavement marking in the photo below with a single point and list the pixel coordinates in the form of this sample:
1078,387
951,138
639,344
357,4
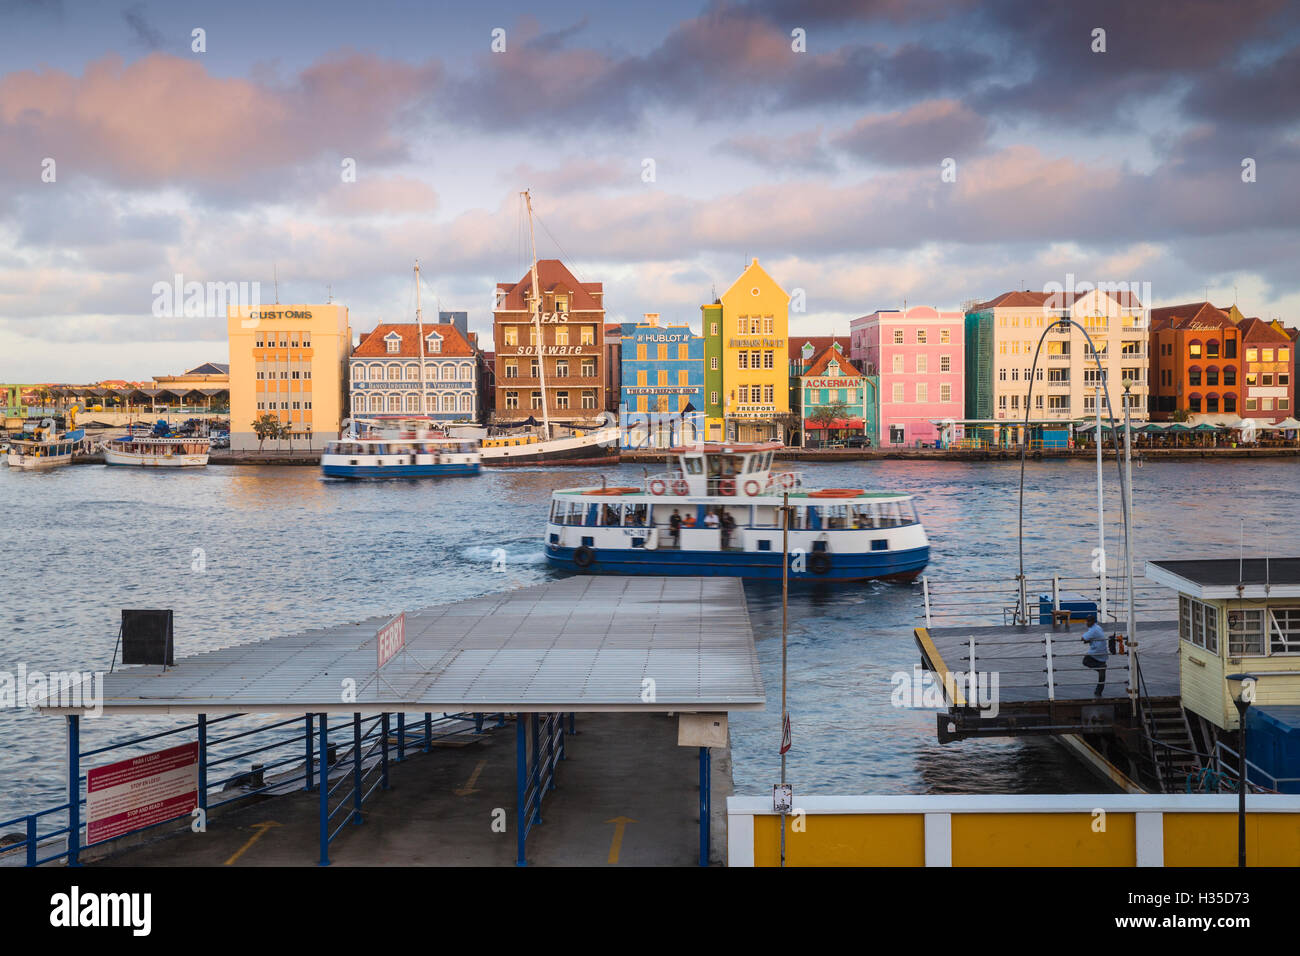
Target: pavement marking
620,824
261,828
469,788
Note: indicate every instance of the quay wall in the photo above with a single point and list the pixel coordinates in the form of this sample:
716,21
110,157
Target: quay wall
1015,830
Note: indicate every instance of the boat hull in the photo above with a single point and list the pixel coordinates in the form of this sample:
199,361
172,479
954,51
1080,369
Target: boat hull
112,457
400,471
587,450
37,463
902,565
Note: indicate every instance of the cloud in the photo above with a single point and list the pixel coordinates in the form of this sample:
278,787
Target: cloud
802,150
925,133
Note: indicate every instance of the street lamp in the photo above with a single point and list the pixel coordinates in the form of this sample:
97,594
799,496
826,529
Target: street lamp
1242,688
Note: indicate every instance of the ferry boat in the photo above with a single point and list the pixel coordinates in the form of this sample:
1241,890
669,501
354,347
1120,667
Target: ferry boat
598,446
727,500
159,448
46,448
398,453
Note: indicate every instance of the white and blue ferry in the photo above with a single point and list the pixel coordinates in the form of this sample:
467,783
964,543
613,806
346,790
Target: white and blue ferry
399,453
718,513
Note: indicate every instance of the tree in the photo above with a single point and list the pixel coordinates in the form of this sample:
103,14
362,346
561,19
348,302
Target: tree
1180,415
265,426
286,432
828,414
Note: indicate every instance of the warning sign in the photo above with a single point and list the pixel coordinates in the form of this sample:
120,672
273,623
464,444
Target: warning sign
141,791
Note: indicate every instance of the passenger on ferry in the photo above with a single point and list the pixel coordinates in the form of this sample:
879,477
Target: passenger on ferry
689,521
728,526
675,525
711,520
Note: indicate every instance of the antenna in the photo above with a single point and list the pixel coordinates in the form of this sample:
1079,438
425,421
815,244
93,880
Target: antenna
329,294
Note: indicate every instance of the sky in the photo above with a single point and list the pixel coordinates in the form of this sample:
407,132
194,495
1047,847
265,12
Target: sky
871,154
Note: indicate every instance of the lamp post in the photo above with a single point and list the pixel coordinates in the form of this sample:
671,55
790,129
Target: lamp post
1242,687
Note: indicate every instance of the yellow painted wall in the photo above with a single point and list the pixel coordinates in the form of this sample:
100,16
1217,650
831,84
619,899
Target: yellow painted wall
881,839
1043,839
755,295
331,341
1210,839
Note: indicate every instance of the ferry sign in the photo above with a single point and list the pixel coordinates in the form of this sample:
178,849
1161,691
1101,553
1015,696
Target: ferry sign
391,638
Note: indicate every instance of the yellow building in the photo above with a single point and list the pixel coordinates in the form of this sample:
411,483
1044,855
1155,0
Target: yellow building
288,361
755,367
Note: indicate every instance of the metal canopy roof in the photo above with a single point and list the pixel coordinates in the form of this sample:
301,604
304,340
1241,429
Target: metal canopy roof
1213,578
581,644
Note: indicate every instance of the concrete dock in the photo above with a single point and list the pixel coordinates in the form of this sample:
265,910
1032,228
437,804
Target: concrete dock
625,796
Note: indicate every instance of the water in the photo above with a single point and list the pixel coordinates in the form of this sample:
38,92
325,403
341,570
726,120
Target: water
281,550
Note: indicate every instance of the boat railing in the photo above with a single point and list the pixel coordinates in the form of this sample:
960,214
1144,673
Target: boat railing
1035,598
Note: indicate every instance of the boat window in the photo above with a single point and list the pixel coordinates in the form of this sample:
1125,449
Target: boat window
611,514
835,516
694,465
864,516
636,516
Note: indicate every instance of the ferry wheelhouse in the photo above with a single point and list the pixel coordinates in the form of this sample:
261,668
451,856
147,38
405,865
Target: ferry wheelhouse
158,448
718,513
399,453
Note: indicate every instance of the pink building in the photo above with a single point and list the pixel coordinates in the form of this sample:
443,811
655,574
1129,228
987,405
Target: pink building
919,356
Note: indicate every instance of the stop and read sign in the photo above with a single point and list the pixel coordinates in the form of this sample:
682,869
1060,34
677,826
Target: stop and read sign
392,638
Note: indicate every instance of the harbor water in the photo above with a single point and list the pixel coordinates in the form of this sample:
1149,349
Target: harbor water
247,553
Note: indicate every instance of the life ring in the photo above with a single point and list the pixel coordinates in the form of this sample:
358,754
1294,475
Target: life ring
680,487
820,562
836,493
658,486
752,487
727,486
787,479
584,556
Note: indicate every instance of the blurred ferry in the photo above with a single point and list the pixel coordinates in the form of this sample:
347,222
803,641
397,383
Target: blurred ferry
409,450
719,513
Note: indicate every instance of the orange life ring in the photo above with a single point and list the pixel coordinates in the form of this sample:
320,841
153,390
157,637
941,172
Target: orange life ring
787,479
727,486
752,487
680,487
658,486
836,493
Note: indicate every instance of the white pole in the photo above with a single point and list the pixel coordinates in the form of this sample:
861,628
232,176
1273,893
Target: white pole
1128,551
1101,511
419,324
537,322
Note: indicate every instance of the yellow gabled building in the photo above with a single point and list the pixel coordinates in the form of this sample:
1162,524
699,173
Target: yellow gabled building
755,367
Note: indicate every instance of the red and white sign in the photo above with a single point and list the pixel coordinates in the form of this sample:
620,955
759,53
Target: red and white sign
392,638
141,791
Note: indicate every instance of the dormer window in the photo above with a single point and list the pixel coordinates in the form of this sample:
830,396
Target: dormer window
394,343
432,343
561,302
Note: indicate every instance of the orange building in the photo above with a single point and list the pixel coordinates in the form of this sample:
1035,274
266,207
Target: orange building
1196,355
1268,371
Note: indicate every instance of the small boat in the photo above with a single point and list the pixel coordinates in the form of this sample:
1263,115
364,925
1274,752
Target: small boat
412,452
597,446
719,513
159,448
46,447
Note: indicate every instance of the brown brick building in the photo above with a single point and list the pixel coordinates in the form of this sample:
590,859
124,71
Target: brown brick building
572,348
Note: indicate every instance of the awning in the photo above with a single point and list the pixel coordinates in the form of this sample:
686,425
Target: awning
835,425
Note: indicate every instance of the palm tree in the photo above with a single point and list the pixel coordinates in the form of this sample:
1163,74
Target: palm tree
265,426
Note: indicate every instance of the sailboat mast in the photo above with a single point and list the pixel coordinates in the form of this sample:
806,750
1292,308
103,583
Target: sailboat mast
537,320
419,324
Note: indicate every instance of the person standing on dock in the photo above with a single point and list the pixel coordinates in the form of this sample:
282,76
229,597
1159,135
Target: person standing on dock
1095,638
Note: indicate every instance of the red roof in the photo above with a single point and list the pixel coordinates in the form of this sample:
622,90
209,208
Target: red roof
1255,331
1193,315
819,364
553,276
819,343
375,344
1052,300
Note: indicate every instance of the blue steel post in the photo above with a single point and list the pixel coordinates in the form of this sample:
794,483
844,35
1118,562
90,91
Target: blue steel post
356,769
571,730
537,769
203,762
309,757
552,720
478,723
521,788
401,737
31,840
324,791
74,789
383,749
706,799
428,732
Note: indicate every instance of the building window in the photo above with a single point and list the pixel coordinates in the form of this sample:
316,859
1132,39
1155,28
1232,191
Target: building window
413,372
413,403
945,394
512,335
512,399
467,402
588,398
742,360
562,368
922,392
589,368
376,403
769,359
561,399
713,398
920,337
432,343
1229,375
561,335
945,363
683,352
898,363
661,377
1194,404
898,394
713,363
769,394
394,373
898,336
1245,630
449,403
1194,376
922,365
1058,403
713,328
512,369
587,335
1229,403
535,400
394,403
742,395
1002,403
945,337
394,344
1211,403
1251,404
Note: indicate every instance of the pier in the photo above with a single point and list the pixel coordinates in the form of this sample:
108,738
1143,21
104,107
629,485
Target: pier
575,708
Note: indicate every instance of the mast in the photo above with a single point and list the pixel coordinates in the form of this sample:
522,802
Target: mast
537,320
419,323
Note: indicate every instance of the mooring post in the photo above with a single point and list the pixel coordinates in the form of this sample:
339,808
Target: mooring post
324,788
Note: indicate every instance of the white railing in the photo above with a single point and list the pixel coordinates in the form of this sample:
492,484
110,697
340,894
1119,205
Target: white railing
1001,601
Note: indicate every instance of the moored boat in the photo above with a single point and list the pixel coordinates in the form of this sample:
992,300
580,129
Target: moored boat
412,452
159,448
719,513
598,446
46,447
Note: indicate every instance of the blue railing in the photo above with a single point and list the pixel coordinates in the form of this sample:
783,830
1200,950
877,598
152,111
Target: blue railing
227,772
539,747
